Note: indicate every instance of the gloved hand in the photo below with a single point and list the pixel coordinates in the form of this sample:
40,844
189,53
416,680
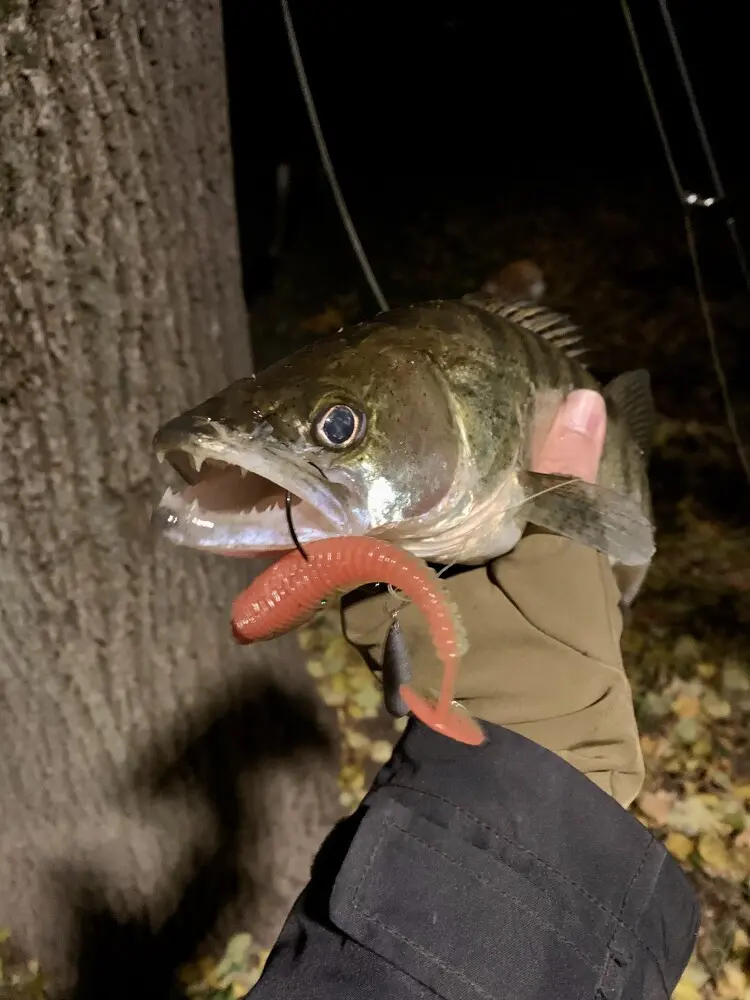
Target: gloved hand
544,630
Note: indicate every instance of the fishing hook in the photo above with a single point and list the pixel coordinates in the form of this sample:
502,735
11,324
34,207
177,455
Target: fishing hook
290,525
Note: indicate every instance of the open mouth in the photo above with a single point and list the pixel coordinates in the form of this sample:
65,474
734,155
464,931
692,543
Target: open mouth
238,507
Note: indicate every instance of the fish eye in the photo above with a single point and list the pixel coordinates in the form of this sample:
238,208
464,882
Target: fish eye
339,426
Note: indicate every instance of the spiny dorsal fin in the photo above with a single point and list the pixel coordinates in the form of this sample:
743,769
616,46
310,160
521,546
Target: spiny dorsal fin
631,394
555,328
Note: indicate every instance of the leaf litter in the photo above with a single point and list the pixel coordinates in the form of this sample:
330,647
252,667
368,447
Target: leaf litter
697,801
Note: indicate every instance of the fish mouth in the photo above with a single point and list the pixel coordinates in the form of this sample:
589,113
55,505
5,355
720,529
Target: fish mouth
234,502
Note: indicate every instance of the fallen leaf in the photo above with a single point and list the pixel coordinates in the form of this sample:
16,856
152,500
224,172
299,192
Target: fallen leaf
349,800
333,698
655,746
653,707
740,941
673,765
306,638
369,700
719,777
688,731
356,740
695,974
741,860
735,677
714,853
703,746
352,778
236,953
687,648
381,751
656,806
732,982
692,817
686,706
716,707
680,846
686,990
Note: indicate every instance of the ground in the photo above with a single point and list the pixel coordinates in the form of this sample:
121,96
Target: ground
615,260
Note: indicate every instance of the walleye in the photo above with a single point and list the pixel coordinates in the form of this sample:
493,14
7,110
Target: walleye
416,428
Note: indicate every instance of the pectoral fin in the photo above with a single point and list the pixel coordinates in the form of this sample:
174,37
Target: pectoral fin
591,515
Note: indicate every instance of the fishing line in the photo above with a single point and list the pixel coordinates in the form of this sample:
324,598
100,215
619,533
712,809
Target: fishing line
290,525
327,162
688,201
704,141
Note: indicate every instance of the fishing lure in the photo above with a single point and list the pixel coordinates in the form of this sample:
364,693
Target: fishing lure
290,591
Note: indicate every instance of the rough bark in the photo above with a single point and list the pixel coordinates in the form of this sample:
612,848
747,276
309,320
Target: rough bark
152,775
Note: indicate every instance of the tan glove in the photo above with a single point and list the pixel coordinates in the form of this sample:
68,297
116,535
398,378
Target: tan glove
544,628
544,655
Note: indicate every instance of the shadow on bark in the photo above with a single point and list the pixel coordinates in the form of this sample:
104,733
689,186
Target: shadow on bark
231,745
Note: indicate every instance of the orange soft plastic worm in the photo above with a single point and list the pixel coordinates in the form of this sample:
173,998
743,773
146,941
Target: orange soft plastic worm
292,590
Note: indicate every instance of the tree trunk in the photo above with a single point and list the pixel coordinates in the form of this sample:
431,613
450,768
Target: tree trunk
153,776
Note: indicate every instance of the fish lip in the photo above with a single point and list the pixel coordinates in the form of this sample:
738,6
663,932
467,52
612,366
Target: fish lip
188,441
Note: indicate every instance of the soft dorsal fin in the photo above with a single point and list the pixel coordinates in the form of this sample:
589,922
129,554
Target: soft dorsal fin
631,394
555,328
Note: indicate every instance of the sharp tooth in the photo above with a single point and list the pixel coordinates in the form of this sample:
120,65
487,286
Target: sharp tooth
198,461
243,471
192,508
160,456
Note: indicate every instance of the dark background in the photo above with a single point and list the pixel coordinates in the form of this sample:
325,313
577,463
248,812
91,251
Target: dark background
443,88
438,96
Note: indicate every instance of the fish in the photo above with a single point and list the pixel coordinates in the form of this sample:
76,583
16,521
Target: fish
415,427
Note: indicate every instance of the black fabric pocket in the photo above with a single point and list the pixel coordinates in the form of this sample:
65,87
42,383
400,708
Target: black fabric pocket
459,920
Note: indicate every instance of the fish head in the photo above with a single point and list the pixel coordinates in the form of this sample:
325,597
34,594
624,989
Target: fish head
359,429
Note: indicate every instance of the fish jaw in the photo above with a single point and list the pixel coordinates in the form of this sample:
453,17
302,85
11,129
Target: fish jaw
233,502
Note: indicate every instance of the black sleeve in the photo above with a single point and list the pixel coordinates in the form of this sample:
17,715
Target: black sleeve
486,874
